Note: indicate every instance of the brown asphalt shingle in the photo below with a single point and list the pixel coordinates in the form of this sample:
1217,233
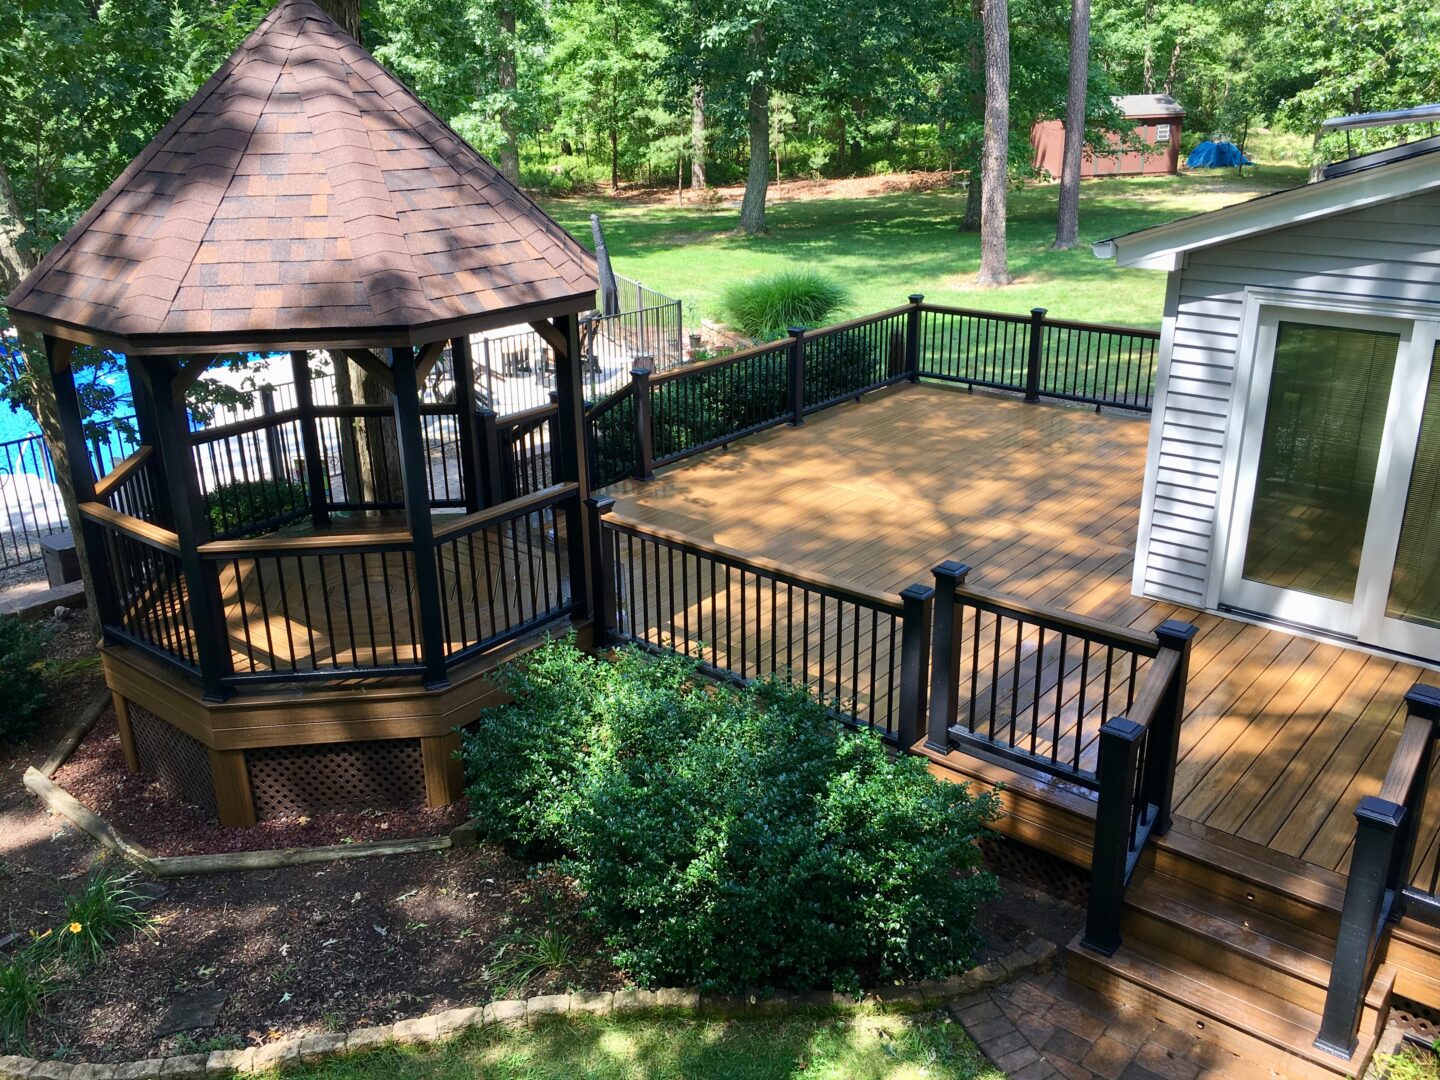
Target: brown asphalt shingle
303,195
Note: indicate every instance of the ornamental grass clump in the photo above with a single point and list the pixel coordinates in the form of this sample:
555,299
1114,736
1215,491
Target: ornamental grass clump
23,989
765,307
107,907
730,838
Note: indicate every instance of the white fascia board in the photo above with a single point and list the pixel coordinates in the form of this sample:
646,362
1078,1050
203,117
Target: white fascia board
1161,247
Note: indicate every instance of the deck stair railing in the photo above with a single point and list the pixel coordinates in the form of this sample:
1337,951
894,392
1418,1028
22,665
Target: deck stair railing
1379,888
1095,705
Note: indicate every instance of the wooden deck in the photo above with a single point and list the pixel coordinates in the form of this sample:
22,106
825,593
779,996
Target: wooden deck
1283,734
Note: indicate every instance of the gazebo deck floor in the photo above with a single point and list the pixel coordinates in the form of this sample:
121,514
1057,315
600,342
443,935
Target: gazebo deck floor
1283,733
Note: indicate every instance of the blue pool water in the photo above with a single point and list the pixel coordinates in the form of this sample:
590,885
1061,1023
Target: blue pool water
17,423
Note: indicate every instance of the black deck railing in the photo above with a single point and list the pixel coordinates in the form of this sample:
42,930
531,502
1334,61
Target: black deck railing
1380,888
661,417
744,618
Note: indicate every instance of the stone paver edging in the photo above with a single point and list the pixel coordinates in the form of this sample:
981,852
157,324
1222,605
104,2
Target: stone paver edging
313,1049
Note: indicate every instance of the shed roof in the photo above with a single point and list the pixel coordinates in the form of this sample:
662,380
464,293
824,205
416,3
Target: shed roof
1133,105
303,196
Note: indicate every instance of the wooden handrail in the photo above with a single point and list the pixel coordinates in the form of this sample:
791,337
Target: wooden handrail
1154,687
779,347
1102,328
122,471
494,515
600,408
243,427
1002,316
859,320
526,416
1415,739
805,579
132,527
1122,637
304,545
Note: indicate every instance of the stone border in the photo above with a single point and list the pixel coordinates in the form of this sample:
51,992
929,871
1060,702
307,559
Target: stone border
1038,955
57,800
31,606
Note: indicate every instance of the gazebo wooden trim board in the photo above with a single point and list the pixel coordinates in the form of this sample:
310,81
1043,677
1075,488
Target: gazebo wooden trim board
304,199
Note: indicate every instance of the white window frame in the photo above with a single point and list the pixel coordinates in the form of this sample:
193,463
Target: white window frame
1419,326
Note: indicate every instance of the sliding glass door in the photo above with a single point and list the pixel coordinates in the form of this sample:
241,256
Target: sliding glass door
1337,510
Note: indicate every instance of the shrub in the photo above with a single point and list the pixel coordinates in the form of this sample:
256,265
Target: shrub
240,504
23,989
765,307
730,838
23,692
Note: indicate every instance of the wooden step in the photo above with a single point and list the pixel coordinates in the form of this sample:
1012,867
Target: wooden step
1269,954
1260,1027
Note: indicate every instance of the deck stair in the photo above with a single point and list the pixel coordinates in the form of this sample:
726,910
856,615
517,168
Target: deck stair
1249,969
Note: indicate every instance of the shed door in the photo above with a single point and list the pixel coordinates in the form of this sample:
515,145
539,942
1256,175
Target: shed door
1338,484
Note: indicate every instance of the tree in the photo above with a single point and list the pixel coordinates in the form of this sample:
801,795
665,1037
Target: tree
346,13
995,167
697,138
1067,225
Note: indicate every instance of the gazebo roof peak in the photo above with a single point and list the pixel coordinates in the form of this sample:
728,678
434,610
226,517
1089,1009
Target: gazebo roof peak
304,196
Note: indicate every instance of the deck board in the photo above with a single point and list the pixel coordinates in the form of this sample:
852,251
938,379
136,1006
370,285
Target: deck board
1283,734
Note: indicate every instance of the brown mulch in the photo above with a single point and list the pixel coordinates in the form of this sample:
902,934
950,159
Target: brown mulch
160,819
306,948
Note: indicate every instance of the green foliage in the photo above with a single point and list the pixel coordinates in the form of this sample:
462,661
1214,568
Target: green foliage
240,503
717,402
23,989
525,956
729,838
106,907
766,306
23,691
1409,1063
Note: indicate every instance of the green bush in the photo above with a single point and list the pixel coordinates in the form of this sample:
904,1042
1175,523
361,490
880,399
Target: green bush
106,907
23,989
234,506
23,691
765,307
729,838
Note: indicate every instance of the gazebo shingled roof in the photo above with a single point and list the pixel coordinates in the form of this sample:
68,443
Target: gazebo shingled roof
304,196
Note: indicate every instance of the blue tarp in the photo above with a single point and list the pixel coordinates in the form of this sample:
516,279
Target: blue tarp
1216,155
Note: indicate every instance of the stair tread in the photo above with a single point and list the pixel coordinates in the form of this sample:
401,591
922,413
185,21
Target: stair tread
1266,939
1271,1019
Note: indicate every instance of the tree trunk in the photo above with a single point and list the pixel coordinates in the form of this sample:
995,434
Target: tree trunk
1147,78
757,183
975,180
994,265
346,13
505,79
974,193
16,261
1067,224
697,138
614,160
1174,69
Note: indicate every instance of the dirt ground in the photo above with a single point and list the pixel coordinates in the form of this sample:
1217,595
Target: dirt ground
259,955
793,190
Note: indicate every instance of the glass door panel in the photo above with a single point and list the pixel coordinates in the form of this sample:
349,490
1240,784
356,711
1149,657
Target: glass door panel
1319,452
1415,581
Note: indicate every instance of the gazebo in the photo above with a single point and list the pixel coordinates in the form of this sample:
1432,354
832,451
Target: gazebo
300,607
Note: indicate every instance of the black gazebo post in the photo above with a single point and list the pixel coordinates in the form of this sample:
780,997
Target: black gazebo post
570,465
191,525
414,470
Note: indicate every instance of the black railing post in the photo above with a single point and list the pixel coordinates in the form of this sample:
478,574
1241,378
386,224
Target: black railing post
274,453
602,571
1110,854
467,432
415,482
1037,347
644,423
945,648
795,376
315,472
912,337
917,610
1368,899
492,462
1163,746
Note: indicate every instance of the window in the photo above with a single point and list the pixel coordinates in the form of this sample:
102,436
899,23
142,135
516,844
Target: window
1162,133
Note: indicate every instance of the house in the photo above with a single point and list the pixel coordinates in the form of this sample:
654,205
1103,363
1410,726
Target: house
1157,120
1293,469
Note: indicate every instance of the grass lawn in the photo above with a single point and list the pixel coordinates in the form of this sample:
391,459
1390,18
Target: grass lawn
885,247
820,1047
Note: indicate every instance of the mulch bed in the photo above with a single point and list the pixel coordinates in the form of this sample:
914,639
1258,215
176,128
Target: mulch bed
307,948
160,819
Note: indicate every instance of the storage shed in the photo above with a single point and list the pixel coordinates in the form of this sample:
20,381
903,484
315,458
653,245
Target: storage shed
1157,119
1293,472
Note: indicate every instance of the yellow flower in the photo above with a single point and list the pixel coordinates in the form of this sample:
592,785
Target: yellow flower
43,936
75,928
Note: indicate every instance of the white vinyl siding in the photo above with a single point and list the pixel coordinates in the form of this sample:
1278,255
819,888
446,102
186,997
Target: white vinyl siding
1385,252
